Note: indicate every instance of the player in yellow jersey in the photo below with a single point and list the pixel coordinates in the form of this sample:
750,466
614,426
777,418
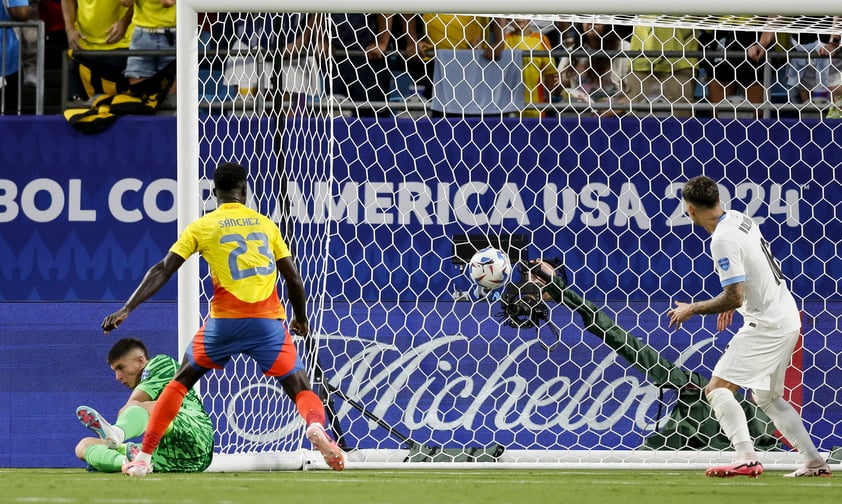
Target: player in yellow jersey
244,251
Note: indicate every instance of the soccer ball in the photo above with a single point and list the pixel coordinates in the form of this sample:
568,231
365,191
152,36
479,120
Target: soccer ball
490,268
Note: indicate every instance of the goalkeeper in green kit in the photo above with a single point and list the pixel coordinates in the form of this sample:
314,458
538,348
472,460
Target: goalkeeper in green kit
187,445
691,424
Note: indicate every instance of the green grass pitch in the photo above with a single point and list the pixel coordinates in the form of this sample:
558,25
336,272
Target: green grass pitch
414,486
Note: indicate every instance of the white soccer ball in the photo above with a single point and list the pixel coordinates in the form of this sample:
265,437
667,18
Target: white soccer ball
490,268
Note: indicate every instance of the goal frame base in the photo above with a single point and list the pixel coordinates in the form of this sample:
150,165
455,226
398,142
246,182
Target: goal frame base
511,459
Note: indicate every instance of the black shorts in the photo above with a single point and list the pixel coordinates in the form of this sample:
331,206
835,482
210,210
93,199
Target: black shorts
739,69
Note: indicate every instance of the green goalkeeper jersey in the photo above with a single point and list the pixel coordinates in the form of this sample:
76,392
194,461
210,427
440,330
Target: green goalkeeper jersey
187,445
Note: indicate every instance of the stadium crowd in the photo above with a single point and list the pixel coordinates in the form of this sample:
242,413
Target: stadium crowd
387,64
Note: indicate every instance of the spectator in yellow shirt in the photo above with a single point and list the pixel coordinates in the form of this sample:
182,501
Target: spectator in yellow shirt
154,30
654,76
540,75
96,25
426,32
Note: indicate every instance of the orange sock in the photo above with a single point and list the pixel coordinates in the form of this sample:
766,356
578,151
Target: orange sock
310,407
166,408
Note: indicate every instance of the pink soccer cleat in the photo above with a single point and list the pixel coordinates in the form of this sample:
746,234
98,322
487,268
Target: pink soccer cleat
751,469
91,419
132,451
330,451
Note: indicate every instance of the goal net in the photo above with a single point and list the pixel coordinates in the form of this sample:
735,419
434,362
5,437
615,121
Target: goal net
389,149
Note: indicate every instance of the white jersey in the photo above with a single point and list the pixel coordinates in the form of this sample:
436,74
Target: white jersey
741,254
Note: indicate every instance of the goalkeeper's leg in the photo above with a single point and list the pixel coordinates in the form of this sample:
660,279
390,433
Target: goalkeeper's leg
99,456
91,419
166,408
133,419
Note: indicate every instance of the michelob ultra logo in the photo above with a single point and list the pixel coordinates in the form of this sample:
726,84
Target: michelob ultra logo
425,387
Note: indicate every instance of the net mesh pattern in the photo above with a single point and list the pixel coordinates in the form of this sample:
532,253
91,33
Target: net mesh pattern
385,147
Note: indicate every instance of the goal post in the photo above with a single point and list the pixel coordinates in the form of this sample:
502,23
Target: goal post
381,201
188,196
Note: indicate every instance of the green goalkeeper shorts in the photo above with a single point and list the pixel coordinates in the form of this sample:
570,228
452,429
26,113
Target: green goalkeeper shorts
188,446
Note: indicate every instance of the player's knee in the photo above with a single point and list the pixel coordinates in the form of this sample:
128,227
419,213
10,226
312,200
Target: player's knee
128,405
295,383
82,446
717,384
712,389
764,399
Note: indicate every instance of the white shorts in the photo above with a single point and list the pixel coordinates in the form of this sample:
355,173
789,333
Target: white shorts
757,358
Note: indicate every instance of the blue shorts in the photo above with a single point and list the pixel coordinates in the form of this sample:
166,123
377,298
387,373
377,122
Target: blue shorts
143,40
267,341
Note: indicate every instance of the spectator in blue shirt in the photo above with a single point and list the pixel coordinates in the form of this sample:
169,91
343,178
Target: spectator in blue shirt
13,10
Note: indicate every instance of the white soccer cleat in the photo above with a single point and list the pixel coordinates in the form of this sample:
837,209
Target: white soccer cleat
90,418
137,468
822,471
330,451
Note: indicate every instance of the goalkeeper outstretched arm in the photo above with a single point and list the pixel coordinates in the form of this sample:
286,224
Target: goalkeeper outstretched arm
692,406
658,370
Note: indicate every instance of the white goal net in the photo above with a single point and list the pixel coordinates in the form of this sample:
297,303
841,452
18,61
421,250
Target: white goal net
389,147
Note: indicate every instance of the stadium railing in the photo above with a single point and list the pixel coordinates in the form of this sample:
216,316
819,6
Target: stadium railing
39,66
776,102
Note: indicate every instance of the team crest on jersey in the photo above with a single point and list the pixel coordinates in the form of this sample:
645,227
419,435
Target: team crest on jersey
724,263
145,374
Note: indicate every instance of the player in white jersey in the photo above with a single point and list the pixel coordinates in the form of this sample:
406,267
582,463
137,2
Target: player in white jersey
759,353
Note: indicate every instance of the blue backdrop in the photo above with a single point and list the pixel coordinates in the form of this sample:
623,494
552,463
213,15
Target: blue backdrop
82,218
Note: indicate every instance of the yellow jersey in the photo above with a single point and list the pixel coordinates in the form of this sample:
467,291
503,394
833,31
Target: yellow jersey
450,31
241,247
151,14
94,18
655,39
535,68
